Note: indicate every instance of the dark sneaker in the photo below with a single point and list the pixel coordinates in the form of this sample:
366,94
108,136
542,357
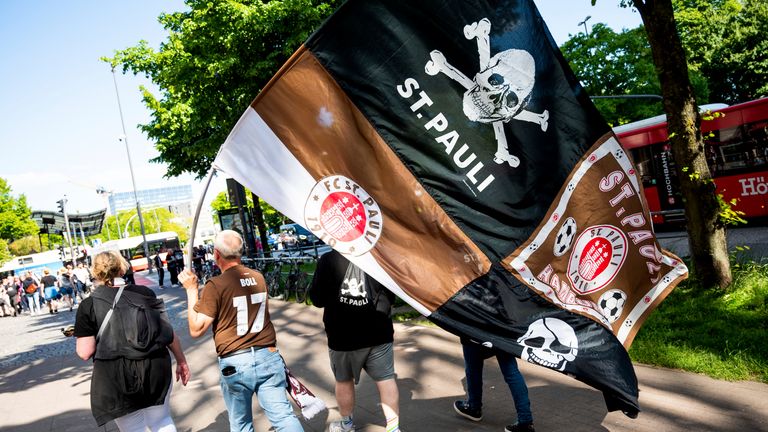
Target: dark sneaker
520,427
463,409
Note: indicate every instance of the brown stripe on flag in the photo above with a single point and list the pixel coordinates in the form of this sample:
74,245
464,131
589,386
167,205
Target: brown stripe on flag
601,242
420,247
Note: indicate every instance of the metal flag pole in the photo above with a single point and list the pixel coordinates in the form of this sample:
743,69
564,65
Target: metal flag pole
124,138
191,244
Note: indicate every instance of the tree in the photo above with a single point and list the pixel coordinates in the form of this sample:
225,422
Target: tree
155,220
738,68
217,57
611,64
706,234
616,64
724,39
724,47
26,245
5,254
15,215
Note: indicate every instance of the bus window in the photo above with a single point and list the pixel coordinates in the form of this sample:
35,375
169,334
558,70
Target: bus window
643,161
732,147
736,152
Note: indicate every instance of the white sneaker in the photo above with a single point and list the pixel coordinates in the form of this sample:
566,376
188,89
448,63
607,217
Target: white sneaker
338,426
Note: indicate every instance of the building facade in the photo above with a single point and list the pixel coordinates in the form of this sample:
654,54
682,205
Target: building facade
177,199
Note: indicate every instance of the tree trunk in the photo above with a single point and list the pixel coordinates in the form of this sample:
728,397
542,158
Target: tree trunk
706,236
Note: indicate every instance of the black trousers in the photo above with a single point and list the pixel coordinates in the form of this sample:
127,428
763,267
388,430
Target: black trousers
160,276
174,276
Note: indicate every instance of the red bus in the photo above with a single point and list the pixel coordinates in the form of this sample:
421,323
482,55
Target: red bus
736,147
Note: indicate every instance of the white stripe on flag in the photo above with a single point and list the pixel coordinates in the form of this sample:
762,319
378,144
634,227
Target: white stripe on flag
255,157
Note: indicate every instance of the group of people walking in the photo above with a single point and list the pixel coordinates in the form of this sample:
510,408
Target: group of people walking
174,260
132,386
31,293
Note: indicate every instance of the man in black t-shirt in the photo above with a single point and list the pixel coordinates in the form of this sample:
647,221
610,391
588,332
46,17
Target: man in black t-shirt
158,263
360,334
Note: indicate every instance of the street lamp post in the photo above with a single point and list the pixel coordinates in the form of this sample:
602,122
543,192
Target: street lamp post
124,138
584,23
63,207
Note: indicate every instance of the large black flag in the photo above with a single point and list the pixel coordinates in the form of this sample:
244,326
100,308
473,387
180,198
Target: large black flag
447,149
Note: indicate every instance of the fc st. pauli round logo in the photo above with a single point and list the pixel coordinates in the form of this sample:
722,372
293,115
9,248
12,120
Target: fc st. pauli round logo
343,215
596,258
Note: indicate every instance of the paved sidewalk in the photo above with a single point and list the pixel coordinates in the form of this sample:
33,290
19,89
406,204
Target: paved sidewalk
51,392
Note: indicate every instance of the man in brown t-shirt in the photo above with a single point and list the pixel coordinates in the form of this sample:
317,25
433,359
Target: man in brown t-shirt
234,304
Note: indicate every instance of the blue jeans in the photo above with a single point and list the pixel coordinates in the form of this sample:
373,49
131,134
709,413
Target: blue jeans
262,372
474,356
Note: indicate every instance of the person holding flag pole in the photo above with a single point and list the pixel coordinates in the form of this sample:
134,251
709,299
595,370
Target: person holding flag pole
235,305
459,162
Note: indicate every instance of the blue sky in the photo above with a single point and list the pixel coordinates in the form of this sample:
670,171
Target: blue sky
59,119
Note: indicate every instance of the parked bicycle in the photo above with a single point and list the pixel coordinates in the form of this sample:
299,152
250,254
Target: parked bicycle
297,282
273,277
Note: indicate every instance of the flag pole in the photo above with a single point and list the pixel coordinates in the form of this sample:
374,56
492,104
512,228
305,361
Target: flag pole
197,216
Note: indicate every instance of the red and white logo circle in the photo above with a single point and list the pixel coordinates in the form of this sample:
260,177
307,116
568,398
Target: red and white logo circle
343,215
596,258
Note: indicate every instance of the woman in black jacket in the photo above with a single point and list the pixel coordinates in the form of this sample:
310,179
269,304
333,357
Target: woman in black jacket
129,385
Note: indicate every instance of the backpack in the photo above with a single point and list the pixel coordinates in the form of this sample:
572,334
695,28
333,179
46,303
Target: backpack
138,326
31,288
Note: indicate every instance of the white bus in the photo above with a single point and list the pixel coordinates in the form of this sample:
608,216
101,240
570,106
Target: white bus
35,262
132,248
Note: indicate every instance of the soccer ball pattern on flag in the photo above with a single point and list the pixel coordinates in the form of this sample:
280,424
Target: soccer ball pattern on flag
446,148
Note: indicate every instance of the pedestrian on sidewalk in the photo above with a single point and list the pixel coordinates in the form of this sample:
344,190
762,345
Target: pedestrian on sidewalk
6,298
474,357
129,385
235,304
82,281
51,290
66,287
358,325
30,296
13,289
174,266
159,266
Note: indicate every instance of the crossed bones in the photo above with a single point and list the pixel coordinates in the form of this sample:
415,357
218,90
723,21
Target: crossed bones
480,30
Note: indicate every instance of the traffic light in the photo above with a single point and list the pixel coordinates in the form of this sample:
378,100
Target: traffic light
60,205
62,256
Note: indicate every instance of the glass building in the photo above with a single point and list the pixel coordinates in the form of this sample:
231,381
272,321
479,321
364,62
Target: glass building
178,199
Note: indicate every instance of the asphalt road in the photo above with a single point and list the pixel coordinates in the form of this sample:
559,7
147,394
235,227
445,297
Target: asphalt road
754,238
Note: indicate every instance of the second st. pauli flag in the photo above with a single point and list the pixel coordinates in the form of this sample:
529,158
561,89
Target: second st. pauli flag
446,148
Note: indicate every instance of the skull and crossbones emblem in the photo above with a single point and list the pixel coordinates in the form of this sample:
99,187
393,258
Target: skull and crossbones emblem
499,92
353,288
549,342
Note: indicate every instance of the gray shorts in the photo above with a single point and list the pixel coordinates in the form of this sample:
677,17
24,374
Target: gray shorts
378,362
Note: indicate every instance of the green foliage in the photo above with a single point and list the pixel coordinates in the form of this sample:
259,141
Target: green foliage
15,215
725,40
5,254
155,220
716,332
616,64
725,47
727,215
217,58
272,218
26,246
